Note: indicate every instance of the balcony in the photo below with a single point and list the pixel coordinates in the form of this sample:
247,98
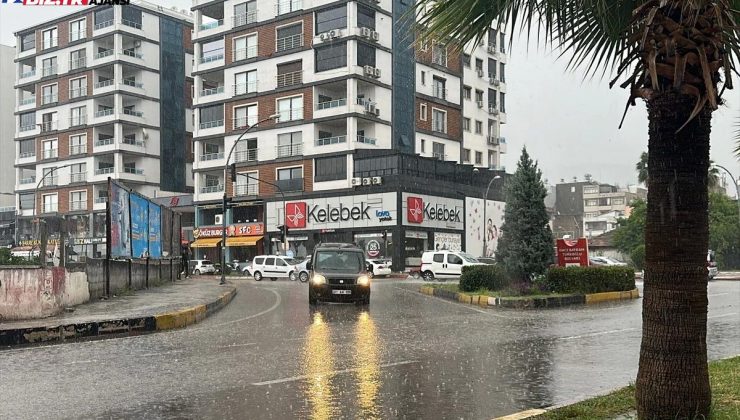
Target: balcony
211,189
29,127
244,53
102,25
331,104
78,149
133,170
27,155
245,18
289,185
48,71
27,101
28,73
77,205
249,155
131,141
101,200
289,42
216,56
49,99
104,113
133,83
211,156
289,150
212,91
78,177
366,140
244,88
248,189
211,124
132,53
26,181
104,171
135,25
289,6
104,142
48,126
78,92
325,141
78,120
134,113
440,92
51,153
211,25
78,63
103,54
290,79
103,83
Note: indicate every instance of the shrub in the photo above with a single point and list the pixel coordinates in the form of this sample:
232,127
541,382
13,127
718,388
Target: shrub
638,256
491,277
584,280
7,259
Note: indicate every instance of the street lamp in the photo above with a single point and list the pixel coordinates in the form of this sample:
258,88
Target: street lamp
485,206
223,208
280,190
737,187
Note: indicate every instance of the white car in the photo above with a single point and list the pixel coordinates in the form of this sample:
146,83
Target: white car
301,270
272,267
202,267
379,267
445,264
606,261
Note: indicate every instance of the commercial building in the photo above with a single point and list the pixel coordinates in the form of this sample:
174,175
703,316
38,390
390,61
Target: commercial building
353,97
102,92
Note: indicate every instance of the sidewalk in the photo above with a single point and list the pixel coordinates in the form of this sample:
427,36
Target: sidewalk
170,306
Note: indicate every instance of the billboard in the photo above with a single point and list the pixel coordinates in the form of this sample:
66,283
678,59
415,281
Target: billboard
573,252
120,238
139,226
155,231
478,230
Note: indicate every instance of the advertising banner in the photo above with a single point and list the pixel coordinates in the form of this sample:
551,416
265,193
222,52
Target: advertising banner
241,229
139,226
479,230
573,252
120,246
447,241
155,231
432,212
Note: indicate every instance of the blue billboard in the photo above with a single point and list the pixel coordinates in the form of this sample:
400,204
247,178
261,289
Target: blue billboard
155,231
120,238
139,226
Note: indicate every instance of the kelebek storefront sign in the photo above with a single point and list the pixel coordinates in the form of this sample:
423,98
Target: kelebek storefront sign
433,212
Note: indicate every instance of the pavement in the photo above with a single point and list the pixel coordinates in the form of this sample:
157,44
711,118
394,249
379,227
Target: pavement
169,306
267,355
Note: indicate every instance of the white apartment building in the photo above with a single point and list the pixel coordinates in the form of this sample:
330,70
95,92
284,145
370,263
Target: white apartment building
103,92
7,131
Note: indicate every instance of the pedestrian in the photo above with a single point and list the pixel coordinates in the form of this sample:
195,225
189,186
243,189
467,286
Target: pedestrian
186,261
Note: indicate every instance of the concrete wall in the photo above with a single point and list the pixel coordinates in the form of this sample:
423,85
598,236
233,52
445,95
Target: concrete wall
121,279
34,292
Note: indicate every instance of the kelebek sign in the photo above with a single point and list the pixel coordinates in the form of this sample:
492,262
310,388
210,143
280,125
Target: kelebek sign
434,211
355,211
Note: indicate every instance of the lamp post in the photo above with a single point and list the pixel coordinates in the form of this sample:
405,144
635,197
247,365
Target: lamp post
737,187
485,206
280,190
223,208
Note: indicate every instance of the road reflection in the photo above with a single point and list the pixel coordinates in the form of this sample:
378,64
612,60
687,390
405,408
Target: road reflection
318,362
367,360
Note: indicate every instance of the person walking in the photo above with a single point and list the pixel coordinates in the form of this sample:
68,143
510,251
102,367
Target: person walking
186,260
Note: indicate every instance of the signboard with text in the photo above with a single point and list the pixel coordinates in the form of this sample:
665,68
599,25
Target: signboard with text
433,212
572,252
242,229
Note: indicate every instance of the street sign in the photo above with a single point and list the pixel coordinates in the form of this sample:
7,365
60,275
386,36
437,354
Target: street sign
572,252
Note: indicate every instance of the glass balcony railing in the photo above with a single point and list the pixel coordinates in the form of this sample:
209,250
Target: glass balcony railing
211,124
27,101
101,200
103,83
366,140
104,142
130,23
211,189
212,91
132,53
25,181
102,25
26,155
325,141
212,156
211,25
133,83
131,141
131,170
29,73
132,112
27,127
103,54
105,170
331,104
104,113
212,56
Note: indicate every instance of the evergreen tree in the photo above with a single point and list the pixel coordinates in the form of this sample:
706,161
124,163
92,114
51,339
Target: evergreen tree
526,245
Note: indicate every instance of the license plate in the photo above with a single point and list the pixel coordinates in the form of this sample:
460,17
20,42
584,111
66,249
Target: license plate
341,292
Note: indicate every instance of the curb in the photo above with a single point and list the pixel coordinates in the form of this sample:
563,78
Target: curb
529,303
523,414
112,328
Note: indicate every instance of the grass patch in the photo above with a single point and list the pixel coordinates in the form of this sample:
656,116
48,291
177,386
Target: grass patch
512,293
724,376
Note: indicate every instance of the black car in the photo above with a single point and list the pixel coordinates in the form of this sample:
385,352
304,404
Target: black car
338,273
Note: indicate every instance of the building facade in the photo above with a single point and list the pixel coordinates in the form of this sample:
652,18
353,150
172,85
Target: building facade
7,130
103,92
345,83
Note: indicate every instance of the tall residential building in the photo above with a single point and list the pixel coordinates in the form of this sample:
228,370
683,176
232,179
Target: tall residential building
103,92
7,129
351,94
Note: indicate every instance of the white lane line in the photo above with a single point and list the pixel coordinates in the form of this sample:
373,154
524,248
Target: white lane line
722,316
236,345
575,337
270,309
718,294
457,304
161,353
330,373
79,362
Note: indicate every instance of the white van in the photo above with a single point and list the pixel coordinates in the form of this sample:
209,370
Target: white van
445,264
272,267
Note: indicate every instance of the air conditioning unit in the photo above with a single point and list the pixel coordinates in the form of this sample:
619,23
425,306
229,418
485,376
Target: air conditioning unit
365,32
356,182
492,110
371,71
377,180
491,49
492,80
219,219
496,82
335,33
480,104
375,36
370,108
480,72
377,73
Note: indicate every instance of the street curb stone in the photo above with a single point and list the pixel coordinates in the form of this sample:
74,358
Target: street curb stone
529,303
116,327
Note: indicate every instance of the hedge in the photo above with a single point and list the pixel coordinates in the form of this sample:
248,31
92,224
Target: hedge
584,280
475,277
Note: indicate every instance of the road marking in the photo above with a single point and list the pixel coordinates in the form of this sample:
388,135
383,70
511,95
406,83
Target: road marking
722,316
718,294
458,304
236,345
330,373
575,337
522,414
79,362
270,309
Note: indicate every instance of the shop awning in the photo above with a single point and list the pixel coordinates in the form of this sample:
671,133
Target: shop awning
243,241
206,243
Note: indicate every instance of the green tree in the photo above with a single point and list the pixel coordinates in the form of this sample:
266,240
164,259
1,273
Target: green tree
674,55
724,230
526,244
642,169
631,231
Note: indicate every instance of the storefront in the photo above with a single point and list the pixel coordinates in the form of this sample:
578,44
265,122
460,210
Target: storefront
431,223
244,241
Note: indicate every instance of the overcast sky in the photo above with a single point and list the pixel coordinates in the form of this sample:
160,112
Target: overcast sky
568,124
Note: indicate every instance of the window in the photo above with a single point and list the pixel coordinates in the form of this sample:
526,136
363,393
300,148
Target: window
365,55
27,148
78,172
478,127
50,149
478,95
50,203
492,95
454,259
48,121
289,37
245,116
49,94
212,181
466,124
49,66
289,74
77,200
131,16
439,258
50,38
423,112
478,158
245,82
502,39
503,102
103,17
466,155
492,37
331,57
334,18
27,121
618,201
492,68
78,116
290,179
77,87
245,13
438,87
466,60
438,150
247,184
503,72
287,6
479,64
592,203
423,145
290,109
290,144
467,92
211,116
25,201
331,168
439,120
78,144
28,41
212,51
423,78
439,54
77,59
77,30
245,47
365,17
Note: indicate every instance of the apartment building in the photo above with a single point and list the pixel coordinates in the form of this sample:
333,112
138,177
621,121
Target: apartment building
7,130
102,92
347,86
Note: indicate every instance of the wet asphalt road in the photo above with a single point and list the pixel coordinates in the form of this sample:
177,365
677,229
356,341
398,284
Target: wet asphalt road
268,356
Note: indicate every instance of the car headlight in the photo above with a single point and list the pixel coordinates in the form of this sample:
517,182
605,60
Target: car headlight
318,279
363,280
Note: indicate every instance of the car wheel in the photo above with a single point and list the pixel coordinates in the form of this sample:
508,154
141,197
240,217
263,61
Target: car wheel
257,276
196,272
292,276
303,277
428,276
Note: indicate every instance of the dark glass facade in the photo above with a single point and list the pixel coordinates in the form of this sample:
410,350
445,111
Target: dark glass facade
404,79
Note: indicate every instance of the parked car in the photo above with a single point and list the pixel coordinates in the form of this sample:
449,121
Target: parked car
445,264
712,269
379,267
301,269
203,267
338,273
272,267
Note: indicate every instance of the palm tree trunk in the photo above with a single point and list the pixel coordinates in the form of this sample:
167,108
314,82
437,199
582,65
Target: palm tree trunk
673,380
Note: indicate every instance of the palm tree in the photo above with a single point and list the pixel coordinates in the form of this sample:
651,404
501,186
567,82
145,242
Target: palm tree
674,55
642,168
713,182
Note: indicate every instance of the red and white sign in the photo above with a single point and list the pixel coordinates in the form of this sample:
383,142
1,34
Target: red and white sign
572,252
243,229
295,215
414,209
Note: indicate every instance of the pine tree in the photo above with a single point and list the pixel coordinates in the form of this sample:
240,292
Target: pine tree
526,245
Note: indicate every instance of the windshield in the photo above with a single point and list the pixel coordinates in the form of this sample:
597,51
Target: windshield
469,258
206,262
344,261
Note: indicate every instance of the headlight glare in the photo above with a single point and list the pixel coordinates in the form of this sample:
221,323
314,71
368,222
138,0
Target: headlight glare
318,279
363,280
